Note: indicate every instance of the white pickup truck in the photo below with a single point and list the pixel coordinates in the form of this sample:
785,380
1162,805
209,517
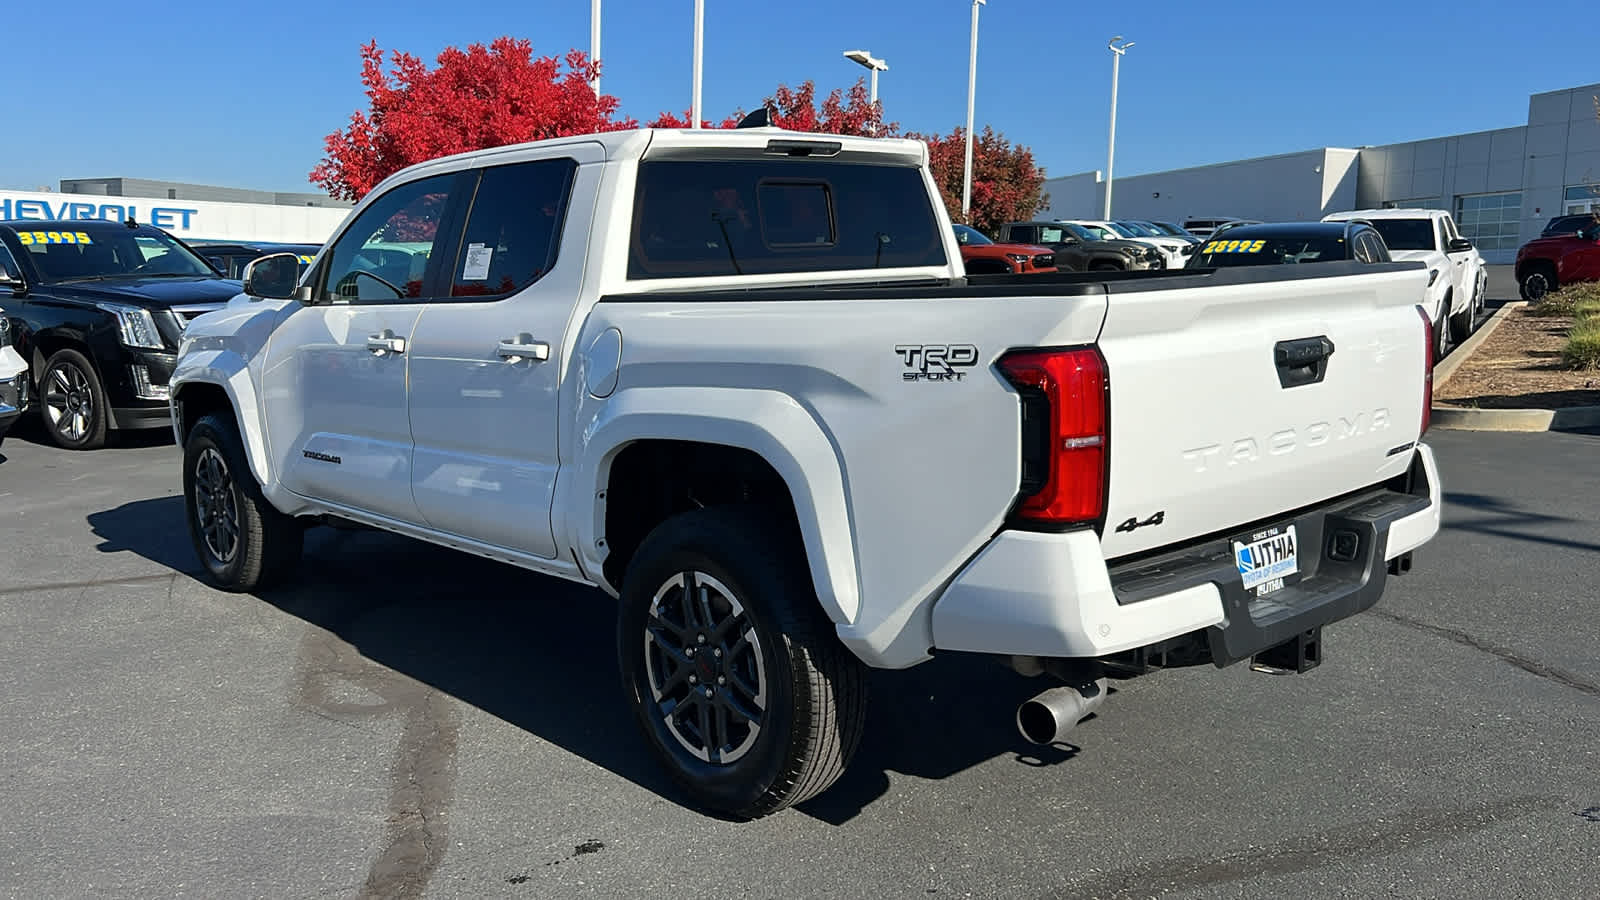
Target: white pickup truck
739,380
1457,279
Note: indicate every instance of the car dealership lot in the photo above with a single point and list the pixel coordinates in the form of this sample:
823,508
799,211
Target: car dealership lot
403,719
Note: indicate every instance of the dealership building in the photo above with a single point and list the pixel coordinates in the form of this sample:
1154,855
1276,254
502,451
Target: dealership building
193,212
1502,186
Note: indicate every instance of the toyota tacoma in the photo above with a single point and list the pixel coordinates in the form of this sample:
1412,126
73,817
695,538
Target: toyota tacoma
740,381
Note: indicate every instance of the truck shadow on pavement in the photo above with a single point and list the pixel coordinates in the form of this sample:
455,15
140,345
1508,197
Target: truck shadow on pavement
1497,518
539,653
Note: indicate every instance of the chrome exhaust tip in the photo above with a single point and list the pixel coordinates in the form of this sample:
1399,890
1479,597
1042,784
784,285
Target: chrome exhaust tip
1050,716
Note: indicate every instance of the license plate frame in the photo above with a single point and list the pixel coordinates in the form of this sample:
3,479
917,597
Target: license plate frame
1267,559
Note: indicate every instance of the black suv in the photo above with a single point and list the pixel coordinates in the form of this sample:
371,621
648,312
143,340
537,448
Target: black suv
1290,243
230,258
97,309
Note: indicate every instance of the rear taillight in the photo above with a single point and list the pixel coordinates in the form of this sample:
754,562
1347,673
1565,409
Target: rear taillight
1065,422
1427,372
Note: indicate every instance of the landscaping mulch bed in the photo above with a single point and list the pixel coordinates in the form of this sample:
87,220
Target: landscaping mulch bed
1519,367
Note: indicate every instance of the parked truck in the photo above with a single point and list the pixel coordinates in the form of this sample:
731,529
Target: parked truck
740,381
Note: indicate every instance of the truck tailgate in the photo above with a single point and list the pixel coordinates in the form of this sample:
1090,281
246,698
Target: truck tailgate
1223,417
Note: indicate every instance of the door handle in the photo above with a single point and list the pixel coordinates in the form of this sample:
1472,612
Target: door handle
523,346
386,342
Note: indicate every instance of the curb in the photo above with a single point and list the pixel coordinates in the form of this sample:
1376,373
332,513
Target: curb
1447,367
1454,418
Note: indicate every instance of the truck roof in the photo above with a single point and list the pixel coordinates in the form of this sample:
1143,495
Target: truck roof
639,143
1386,214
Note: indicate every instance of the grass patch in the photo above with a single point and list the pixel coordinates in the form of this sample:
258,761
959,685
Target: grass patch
1568,300
1583,345
1587,308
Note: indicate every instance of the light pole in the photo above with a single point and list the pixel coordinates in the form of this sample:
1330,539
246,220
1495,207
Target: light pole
594,42
865,58
1111,149
972,86
699,45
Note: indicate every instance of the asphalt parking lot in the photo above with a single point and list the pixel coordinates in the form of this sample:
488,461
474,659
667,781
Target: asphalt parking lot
402,721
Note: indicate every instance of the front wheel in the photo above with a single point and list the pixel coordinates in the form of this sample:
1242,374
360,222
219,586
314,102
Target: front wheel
244,543
735,676
73,402
1536,283
1461,323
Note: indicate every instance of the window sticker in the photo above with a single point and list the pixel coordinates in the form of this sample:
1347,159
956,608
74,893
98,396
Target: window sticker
1234,247
53,237
477,264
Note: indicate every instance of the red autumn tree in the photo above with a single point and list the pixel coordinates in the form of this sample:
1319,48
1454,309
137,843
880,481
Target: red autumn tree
673,120
1006,183
473,98
796,109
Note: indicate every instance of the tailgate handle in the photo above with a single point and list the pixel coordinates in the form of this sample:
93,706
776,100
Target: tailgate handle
1301,362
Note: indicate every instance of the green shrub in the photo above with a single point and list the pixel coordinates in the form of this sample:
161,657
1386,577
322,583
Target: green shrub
1555,303
1583,345
1587,308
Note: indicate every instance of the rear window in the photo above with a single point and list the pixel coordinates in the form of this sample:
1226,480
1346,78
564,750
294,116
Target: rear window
1269,251
725,217
1406,234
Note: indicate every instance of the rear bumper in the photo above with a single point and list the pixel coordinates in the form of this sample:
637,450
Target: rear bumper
1052,595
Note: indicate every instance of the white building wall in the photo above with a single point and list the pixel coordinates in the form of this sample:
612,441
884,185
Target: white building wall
186,219
1291,187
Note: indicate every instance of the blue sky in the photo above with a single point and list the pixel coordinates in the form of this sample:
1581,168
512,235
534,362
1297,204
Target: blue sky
242,95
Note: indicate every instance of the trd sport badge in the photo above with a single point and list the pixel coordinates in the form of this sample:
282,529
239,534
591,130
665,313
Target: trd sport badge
936,362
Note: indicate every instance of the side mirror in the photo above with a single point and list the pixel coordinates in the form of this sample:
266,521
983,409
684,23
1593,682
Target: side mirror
1459,245
272,277
14,283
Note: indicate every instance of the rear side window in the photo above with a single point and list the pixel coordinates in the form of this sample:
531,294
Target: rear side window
699,218
514,228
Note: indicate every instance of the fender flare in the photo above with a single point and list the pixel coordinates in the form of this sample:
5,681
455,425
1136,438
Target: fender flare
771,424
231,372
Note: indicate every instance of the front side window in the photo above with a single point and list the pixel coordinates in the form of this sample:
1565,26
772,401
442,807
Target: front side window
383,255
8,263
514,228
738,217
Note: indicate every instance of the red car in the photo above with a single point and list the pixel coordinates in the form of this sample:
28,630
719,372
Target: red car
982,256
1546,263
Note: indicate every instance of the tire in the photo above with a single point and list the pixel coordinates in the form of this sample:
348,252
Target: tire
806,692
1461,323
243,542
1441,337
72,402
1105,267
1536,281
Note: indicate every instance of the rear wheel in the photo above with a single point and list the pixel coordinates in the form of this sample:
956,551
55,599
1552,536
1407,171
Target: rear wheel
244,543
72,402
1537,281
1461,323
735,676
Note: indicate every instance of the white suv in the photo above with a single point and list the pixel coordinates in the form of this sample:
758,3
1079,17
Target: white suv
1457,279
